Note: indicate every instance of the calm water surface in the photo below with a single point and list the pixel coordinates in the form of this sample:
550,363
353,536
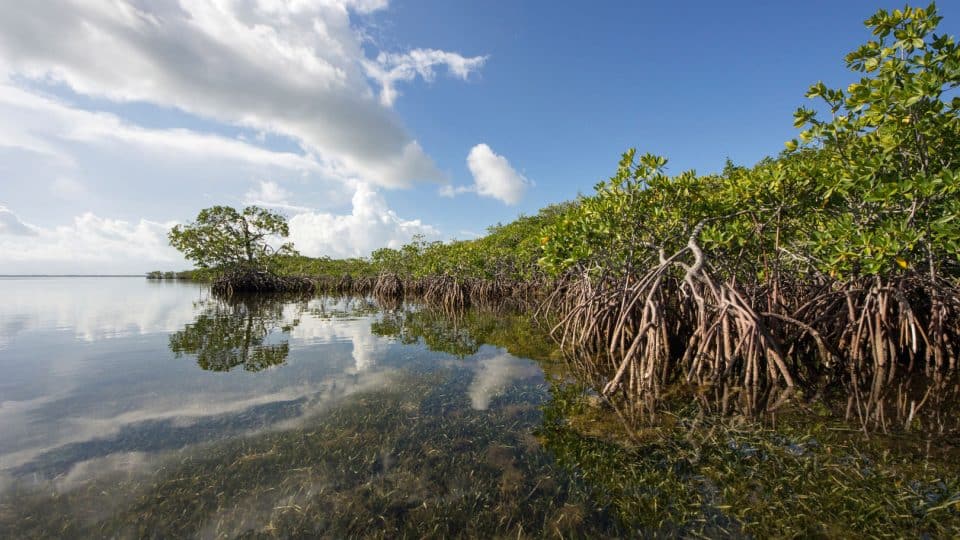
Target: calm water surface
133,408
128,399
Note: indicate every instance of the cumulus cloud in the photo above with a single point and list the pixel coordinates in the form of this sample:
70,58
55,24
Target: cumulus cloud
275,96
89,243
94,244
370,225
76,160
296,69
492,177
389,68
11,225
270,194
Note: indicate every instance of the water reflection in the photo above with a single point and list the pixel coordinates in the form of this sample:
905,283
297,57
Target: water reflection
883,402
406,423
122,405
65,407
344,319
93,309
459,334
495,375
232,332
222,445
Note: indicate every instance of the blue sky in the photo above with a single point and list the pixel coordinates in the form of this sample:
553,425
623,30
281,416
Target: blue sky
368,122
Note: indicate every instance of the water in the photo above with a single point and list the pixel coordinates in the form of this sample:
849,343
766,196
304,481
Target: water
133,408
128,406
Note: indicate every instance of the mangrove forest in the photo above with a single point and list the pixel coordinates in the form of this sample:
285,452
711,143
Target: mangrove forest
836,260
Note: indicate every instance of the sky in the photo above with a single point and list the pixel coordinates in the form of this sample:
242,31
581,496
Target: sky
366,122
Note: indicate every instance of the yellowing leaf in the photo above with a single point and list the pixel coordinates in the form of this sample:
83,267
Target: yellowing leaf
902,263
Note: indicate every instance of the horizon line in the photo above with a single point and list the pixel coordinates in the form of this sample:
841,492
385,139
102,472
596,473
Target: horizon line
74,275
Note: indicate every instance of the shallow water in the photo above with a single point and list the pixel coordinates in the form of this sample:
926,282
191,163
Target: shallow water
134,408
115,388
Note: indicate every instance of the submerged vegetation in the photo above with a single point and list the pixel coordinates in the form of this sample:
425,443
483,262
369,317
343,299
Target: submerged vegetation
413,456
693,473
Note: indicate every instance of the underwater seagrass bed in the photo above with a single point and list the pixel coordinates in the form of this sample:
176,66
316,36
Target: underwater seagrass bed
198,417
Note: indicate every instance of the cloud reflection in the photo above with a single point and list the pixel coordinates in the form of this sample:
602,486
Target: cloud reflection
125,394
123,402
497,374
93,309
342,321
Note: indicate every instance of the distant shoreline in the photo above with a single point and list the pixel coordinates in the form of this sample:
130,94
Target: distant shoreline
70,275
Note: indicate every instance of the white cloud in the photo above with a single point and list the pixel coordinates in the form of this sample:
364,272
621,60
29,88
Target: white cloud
492,177
249,77
89,244
93,244
370,225
10,225
67,187
60,161
42,125
270,194
288,68
390,68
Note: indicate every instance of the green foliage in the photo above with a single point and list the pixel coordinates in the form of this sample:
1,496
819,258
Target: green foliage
463,334
321,266
889,185
872,191
507,251
224,237
184,274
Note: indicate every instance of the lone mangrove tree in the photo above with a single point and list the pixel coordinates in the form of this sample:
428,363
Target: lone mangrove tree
223,238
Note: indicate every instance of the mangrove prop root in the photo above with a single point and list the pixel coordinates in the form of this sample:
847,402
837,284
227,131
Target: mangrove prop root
245,280
681,318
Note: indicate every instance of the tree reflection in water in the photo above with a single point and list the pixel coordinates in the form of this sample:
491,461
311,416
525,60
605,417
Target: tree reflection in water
231,332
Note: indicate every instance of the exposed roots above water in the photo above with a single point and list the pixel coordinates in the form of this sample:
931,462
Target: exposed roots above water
246,280
444,292
681,320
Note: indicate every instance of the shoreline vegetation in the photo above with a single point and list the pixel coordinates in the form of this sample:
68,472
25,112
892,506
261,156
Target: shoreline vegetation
837,260
190,275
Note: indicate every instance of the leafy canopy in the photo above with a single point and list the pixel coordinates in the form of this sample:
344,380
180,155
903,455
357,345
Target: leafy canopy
223,237
889,189
870,188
